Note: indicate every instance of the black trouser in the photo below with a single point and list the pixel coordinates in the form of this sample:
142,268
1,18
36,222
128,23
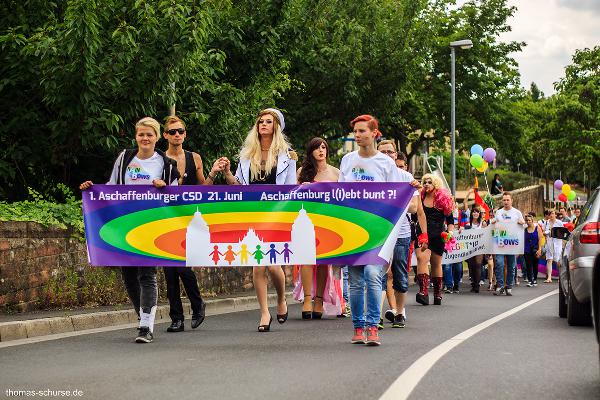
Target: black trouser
141,286
172,275
532,266
474,264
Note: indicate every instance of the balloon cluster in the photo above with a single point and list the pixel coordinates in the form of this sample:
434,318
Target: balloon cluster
481,158
566,192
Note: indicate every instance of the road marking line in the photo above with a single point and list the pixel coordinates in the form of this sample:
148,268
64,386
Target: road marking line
405,383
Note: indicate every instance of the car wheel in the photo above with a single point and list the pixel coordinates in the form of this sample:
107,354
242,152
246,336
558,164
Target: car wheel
562,301
578,314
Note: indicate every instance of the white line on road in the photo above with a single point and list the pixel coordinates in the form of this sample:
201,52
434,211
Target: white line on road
405,383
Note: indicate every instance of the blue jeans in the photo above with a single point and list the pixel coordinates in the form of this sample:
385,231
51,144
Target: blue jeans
361,277
510,270
400,265
452,274
345,289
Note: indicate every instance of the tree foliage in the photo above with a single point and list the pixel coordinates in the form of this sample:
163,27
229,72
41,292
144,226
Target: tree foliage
76,75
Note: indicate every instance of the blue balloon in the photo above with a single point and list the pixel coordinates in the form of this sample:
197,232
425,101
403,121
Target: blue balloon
477,149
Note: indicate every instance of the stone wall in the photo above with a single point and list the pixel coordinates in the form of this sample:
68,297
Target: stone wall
45,267
527,199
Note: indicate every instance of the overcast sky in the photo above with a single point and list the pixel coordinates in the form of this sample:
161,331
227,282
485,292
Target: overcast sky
552,29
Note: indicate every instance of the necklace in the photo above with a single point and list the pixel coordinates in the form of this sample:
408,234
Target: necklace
262,173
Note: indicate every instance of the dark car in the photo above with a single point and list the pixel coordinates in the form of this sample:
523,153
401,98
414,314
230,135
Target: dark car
577,266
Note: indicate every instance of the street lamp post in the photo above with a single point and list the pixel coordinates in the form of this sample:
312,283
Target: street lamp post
463,44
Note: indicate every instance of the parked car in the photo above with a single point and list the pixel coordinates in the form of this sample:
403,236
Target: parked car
596,300
576,268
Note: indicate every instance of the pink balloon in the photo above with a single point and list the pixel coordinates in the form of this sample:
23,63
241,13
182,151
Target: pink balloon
489,154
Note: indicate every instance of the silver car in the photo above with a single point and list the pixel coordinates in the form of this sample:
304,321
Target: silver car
576,268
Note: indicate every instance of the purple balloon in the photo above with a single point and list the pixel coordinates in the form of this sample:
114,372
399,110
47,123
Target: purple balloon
558,184
489,154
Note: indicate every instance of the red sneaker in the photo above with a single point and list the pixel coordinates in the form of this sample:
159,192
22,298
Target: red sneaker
359,336
372,336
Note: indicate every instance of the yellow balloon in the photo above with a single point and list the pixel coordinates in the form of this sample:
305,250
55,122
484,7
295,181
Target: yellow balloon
483,167
566,189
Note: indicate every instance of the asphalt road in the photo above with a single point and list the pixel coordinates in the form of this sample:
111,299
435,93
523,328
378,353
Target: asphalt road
530,355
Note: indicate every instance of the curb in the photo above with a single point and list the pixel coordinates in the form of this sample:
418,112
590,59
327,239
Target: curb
17,330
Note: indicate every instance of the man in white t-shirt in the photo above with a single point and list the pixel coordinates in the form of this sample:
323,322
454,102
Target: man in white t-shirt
400,260
507,214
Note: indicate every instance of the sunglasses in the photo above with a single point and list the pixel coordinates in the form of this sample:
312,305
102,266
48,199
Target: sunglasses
172,132
387,151
427,182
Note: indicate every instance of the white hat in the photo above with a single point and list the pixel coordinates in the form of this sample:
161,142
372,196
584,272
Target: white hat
279,117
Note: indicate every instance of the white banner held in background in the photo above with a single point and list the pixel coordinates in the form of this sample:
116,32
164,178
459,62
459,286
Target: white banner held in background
495,239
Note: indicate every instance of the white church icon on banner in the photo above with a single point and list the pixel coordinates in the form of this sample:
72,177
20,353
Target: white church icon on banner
251,250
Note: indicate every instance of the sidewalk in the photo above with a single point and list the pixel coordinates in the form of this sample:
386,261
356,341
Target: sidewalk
44,323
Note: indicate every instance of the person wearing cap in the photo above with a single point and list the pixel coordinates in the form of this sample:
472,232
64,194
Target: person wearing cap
266,158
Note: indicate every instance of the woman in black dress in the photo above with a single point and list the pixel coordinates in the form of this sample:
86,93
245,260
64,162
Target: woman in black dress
438,206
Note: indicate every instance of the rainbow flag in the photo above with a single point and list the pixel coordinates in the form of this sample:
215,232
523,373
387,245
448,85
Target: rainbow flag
320,223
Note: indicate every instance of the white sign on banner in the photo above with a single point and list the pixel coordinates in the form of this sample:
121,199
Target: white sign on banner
469,243
508,238
500,238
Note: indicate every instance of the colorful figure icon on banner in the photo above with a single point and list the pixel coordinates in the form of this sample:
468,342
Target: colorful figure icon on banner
258,254
230,254
215,255
244,253
272,254
286,253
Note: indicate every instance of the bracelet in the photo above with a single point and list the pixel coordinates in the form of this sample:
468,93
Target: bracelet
212,178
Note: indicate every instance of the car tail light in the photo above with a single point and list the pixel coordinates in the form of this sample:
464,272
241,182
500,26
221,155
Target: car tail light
590,233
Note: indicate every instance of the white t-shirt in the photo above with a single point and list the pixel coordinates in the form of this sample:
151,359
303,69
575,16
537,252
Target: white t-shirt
405,232
140,172
378,168
511,216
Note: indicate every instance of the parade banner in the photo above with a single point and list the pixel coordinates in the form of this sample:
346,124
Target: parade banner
500,238
223,226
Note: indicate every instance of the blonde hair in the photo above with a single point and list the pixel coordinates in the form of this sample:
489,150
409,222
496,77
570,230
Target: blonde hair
150,122
252,150
437,182
171,119
387,141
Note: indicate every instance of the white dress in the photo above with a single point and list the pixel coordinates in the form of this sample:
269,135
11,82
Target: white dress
553,246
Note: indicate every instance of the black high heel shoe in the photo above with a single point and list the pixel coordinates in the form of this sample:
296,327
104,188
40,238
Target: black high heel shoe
281,318
316,314
266,328
307,314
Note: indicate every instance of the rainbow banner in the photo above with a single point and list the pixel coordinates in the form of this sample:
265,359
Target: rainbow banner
222,226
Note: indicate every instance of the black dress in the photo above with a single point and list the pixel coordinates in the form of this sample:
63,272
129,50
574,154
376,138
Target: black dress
435,227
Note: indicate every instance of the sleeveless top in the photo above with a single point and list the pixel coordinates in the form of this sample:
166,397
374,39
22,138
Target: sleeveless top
189,175
531,241
435,220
